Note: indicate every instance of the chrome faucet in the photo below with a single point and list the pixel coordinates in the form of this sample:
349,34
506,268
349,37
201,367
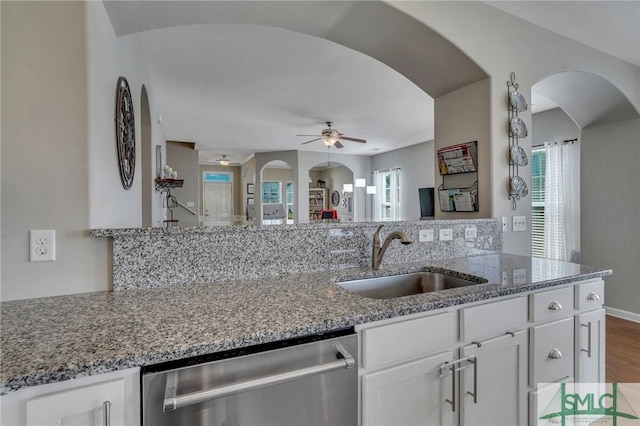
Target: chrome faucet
378,252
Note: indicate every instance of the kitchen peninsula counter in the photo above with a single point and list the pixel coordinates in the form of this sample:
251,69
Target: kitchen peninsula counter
59,338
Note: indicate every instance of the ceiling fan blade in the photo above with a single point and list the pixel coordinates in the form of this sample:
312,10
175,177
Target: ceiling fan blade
310,135
347,138
312,140
338,145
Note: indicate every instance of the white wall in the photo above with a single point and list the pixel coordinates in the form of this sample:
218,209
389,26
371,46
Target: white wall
59,170
610,204
417,164
108,58
501,44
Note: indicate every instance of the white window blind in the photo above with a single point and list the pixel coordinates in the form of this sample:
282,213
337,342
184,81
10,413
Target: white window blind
537,201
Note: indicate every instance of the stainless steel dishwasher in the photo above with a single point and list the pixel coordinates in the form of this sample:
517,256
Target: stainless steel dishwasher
305,381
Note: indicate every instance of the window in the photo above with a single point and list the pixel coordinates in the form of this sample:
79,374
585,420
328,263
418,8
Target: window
289,205
538,162
271,192
387,198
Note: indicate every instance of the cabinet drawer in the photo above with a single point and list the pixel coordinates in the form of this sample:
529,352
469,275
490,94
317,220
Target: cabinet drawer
590,295
404,340
550,305
551,352
492,318
541,397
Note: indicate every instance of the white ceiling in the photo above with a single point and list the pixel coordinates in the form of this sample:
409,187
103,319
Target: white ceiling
238,89
612,27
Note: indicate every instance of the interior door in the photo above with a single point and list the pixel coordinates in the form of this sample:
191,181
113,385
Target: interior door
218,203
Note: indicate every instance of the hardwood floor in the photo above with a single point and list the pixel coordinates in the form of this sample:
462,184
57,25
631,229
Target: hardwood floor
622,351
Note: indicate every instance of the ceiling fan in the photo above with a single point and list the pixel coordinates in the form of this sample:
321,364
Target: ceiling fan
330,137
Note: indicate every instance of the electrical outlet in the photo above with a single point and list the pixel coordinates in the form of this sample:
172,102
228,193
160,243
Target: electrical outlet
505,224
191,204
425,235
446,234
42,245
470,233
519,223
504,278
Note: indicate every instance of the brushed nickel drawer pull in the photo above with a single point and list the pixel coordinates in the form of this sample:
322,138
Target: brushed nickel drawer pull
593,296
555,306
555,354
588,350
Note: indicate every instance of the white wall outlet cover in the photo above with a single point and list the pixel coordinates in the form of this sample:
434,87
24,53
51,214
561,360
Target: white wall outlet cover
191,204
425,235
505,224
446,234
42,245
470,233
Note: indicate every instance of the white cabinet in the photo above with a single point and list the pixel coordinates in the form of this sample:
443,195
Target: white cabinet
590,347
494,389
107,399
408,394
500,350
418,372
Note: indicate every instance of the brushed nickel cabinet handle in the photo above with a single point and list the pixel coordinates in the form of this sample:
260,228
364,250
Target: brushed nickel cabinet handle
555,354
107,413
474,361
593,296
588,350
555,306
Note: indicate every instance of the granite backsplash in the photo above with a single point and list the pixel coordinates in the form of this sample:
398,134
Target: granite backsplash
161,257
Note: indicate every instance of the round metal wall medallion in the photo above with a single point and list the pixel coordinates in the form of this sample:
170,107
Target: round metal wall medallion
125,133
335,198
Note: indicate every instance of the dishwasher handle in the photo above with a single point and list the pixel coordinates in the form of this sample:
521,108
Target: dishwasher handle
173,401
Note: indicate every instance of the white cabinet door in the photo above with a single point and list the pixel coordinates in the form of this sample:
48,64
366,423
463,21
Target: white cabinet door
409,394
85,406
590,348
499,382
76,402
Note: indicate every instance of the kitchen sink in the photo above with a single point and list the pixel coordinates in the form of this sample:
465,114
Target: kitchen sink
405,284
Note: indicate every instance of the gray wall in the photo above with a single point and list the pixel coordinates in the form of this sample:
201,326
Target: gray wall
610,208
45,178
184,159
417,163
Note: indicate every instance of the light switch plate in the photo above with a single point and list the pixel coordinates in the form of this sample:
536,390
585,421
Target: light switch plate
446,234
519,223
425,235
520,276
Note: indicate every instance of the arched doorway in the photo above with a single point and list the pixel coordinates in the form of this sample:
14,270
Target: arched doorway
331,189
147,167
276,194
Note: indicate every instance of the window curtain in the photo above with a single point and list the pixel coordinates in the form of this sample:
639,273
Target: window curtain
378,181
394,199
386,200
560,209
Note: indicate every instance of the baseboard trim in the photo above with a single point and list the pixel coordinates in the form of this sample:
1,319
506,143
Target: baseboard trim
630,316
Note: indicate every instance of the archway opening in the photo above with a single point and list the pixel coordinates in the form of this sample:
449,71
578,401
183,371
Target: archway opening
146,166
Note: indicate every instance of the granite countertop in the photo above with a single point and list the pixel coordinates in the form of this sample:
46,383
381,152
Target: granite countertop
59,338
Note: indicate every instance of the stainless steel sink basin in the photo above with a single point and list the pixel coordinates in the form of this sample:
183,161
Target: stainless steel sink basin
404,285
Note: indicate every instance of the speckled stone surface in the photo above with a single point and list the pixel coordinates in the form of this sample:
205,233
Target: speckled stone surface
58,338
160,257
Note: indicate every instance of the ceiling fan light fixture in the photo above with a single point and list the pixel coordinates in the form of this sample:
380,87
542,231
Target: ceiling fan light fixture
224,161
330,137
